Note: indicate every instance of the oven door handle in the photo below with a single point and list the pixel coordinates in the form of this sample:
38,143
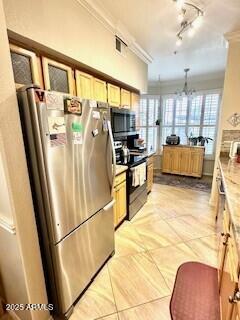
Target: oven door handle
113,156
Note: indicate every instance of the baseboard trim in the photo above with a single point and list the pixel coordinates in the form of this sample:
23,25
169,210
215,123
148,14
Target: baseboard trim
204,173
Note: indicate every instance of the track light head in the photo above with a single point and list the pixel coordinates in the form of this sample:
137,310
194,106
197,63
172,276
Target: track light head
179,41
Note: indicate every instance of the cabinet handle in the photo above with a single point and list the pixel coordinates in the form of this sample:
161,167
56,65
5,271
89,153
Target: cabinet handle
235,298
227,235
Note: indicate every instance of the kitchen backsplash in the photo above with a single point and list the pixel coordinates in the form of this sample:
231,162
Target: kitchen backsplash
227,137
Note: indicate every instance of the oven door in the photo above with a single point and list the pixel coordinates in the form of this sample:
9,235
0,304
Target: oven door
137,196
123,122
134,191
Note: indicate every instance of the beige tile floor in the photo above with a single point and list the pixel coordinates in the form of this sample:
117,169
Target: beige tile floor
175,225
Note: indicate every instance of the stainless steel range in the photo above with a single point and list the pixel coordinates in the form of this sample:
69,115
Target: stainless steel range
69,149
136,194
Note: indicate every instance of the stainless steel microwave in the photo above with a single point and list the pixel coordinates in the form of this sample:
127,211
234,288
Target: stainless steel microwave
123,122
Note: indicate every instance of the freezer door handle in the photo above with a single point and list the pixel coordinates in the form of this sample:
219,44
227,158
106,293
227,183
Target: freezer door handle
113,155
109,205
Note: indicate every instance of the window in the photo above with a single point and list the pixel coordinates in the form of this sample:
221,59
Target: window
147,115
196,116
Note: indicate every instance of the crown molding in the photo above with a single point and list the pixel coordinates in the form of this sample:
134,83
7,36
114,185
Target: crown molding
233,36
116,28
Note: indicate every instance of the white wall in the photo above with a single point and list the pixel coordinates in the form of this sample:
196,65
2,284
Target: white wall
21,273
231,97
211,81
67,27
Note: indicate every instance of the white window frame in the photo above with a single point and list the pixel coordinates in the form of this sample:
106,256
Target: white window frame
187,125
149,97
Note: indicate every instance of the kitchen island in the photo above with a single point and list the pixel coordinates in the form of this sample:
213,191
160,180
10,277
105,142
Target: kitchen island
183,160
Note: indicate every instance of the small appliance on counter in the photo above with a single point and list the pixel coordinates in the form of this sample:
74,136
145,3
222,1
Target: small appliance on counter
118,151
233,149
136,144
173,139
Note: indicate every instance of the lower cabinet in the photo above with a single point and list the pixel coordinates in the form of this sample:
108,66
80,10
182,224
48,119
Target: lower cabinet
183,160
228,271
120,197
149,174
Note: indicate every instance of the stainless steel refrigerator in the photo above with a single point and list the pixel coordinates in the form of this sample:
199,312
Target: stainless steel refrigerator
69,149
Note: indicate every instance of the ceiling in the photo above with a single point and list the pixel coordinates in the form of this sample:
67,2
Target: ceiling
154,24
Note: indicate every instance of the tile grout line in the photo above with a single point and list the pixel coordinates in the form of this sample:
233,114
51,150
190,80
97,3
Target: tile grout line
110,278
149,254
141,304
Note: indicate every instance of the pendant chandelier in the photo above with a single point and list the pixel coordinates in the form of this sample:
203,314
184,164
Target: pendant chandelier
186,92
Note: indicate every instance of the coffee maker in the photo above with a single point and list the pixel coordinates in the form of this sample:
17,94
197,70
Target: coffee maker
136,144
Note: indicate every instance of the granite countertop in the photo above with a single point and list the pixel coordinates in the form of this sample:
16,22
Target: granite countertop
230,170
145,153
150,153
120,169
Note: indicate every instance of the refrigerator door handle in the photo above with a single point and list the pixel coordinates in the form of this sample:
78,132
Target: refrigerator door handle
109,205
114,156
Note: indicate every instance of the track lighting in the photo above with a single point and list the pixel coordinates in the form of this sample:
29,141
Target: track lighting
179,41
198,21
181,15
190,25
180,3
191,31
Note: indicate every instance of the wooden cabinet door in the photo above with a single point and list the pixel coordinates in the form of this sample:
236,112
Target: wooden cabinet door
122,201
58,76
84,85
176,161
149,177
236,312
185,161
115,207
167,160
125,99
113,95
196,163
26,67
229,277
99,90
120,206
135,100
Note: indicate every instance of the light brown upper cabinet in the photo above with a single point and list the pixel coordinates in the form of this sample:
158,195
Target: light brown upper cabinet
26,67
113,95
57,76
100,90
135,100
84,85
125,98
